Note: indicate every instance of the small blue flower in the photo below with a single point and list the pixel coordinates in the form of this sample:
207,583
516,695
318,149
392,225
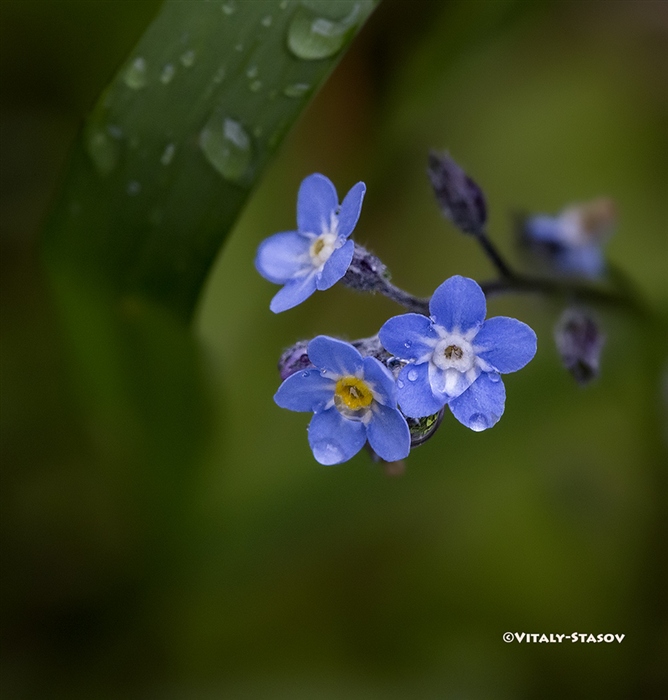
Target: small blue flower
455,356
571,243
317,254
354,399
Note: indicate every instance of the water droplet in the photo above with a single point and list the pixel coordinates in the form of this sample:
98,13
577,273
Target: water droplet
296,89
408,344
133,188
227,147
229,7
323,372
312,38
167,74
412,375
255,86
135,75
400,384
327,452
478,422
220,75
102,149
168,154
305,374
266,21
187,58
493,377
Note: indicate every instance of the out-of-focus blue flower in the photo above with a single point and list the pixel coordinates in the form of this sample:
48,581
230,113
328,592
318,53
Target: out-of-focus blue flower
571,243
455,356
318,253
354,399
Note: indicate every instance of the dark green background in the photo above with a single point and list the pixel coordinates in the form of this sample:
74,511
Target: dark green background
183,548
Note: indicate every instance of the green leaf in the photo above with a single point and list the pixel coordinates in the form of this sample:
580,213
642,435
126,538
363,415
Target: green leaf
175,144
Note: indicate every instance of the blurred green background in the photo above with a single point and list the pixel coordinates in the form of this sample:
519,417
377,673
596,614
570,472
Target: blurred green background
180,547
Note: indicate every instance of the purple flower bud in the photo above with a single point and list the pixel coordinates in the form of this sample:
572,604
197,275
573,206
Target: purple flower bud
366,273
579,340
460,198
294,359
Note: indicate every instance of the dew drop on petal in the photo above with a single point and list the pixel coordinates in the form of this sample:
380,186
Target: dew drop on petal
478,422
327,452
493,377
412,375
408,344
305,374
400,384
135,74
227,146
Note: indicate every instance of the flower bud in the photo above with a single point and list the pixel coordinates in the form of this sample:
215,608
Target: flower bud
294,359
579,340
571,242
366,272
460,198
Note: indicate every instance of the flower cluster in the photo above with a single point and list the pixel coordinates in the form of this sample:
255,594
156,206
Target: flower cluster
389,391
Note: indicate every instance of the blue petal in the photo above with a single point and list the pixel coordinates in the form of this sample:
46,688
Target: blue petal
381,381
388,433
450,383
334,356
305,391
337,265
458,304
482,404
414,393
316,201
281,256
407,337
505,343
294,292
350,209
543,228
333,438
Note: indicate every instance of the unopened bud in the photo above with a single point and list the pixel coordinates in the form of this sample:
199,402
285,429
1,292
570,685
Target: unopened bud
294,359
366,272
460,198
579,340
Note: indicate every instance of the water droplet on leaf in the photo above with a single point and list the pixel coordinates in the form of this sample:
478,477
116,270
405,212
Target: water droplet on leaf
187,58
133,188
135,75
312,38
168,154
167,74
227,146
102,149
296,89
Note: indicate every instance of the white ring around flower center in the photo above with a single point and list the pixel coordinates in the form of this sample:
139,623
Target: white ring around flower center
322,248
454,352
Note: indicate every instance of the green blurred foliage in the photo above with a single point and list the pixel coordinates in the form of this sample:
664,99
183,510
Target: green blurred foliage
241,568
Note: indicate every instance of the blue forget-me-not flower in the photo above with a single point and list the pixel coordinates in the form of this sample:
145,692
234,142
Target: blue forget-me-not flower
353,398
455,356
318,253
571,243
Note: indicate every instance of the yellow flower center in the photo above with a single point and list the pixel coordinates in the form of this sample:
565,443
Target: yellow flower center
352,394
